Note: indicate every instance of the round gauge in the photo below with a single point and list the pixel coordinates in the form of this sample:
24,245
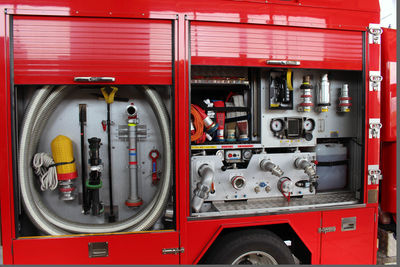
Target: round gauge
247,154
308,125
277,125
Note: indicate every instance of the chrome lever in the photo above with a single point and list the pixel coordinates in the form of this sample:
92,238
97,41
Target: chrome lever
283,62
94,79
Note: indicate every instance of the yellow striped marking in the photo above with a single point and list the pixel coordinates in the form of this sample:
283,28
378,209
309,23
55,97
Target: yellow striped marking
119,233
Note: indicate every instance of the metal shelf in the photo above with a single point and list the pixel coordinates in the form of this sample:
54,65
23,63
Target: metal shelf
280,204
220,81
226,145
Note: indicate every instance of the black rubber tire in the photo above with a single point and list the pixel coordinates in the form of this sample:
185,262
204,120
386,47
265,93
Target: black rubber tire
230,246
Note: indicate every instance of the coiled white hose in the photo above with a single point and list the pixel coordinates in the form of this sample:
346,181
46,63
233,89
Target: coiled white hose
38,112
47,176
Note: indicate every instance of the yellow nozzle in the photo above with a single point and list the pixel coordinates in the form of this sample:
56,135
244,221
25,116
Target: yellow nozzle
61,148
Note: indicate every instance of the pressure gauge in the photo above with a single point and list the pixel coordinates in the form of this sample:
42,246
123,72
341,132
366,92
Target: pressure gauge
309,125
247,154
277,125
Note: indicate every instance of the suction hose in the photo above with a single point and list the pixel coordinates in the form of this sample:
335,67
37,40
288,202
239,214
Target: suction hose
42,105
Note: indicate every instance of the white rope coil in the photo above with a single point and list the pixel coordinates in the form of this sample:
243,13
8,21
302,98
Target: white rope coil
47,176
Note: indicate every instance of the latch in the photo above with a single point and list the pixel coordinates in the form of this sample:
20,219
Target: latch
173,250
374,36
374,174
326,229
375,126
375,80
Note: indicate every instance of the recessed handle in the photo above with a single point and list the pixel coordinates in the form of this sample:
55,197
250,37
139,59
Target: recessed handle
98,249
349,224
94,79
283,62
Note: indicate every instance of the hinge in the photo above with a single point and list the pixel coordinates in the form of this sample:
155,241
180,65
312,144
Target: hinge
375,126
374,174
374,34
326,229
375,80
173,250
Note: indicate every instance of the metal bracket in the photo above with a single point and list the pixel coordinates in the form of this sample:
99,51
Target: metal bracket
375,126
327,229
173,250
375,80
374,34
374,174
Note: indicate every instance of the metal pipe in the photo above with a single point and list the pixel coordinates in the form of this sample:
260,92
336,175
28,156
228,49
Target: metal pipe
206,173
309,169
133,199
324,95
268,166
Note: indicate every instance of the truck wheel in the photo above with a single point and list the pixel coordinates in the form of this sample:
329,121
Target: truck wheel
252,246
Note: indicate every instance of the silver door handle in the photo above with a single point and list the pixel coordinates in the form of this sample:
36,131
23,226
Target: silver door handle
94,79
283,62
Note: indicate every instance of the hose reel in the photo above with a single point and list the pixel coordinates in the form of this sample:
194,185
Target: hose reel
39,110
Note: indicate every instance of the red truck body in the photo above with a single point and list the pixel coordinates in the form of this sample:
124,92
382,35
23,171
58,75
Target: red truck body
389,128
336,34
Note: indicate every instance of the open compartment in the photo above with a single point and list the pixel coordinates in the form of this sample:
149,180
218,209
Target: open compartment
222,100
79,148
294,146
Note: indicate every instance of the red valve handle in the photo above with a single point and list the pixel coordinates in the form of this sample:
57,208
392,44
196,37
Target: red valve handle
154,155
104,124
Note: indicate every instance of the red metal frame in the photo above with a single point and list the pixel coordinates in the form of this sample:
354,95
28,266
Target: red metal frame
389,122
328,14
236,44
53,50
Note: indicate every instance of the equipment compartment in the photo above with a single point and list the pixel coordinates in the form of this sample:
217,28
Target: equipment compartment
75,195
292,114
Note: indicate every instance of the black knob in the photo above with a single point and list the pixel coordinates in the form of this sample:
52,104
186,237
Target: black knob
308,136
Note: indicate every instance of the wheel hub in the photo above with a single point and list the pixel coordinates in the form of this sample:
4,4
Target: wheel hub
255,258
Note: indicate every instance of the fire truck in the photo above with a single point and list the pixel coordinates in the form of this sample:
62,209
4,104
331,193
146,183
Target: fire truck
189,132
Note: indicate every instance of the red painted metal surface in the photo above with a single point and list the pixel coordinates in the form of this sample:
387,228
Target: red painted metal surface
206,231
6,182
139,248
252,45
349,247
389,83
389,181
374,105
55,50
356,14
388,131
325,14
182,116
337,4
